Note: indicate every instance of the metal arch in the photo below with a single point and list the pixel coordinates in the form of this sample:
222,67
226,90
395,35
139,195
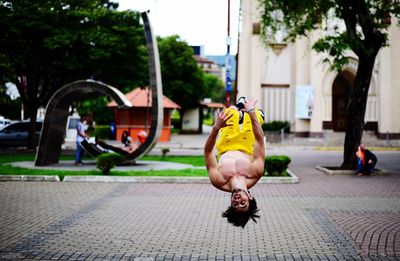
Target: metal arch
157,109
53,130
52,135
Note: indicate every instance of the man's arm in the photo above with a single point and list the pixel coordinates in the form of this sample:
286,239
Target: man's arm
259,146
211,163
81,131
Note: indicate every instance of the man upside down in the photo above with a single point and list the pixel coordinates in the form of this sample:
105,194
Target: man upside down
239,163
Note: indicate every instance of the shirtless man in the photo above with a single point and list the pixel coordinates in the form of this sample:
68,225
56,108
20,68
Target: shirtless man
241,154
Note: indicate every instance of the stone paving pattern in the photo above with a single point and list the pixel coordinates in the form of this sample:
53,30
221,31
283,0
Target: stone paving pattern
321,218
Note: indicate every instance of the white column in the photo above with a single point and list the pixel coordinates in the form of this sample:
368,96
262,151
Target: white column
395,68
302,65
384,90
316,80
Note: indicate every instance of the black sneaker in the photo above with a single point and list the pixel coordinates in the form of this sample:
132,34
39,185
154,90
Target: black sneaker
262,114
240,103
240,106
241,117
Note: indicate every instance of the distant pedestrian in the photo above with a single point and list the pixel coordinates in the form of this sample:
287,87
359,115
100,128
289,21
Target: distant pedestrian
126,138
366,161
113,130
80,136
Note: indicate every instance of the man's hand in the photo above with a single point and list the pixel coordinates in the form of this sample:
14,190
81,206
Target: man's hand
250,105
221,119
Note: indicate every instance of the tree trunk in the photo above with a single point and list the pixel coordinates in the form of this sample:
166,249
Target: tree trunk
356,111
181,113
32,127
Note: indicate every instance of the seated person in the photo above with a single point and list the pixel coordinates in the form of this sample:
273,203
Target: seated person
126,139
366,161
129,146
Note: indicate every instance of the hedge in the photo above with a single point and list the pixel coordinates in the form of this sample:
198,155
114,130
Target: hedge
276,165
105,162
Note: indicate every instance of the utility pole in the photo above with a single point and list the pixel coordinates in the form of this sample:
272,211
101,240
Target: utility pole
228,81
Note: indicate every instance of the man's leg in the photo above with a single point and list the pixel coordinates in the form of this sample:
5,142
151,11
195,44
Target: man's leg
246,137
78,152
360,167
82,153
369,167
225,141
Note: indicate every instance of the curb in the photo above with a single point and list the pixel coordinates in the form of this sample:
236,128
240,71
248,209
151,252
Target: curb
292,179
29,178
138,179
329,171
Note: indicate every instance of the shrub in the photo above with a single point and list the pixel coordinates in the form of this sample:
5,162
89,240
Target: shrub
107,161
276,126
209,121
276,165
164,152
102,131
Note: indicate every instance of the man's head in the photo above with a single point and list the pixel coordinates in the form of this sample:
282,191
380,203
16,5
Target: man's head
243,207
83,117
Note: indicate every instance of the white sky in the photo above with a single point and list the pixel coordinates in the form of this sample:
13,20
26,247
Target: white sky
198,22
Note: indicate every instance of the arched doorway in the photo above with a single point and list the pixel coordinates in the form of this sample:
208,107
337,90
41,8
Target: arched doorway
341,90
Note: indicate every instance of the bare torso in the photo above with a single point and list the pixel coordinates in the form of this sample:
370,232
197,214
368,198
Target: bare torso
234,163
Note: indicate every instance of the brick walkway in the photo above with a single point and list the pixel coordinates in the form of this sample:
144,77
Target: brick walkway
321,218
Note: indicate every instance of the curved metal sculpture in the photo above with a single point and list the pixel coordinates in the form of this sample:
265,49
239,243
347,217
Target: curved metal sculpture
55,121
156,92
53,130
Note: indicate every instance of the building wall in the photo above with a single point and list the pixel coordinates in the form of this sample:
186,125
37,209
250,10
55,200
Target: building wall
134,121
277,76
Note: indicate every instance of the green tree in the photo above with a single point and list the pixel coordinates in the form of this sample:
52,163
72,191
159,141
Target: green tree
215,88
365,24
183,80
48,43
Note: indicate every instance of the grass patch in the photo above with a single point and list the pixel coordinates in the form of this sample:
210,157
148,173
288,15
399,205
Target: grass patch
164,173
197,161
282,174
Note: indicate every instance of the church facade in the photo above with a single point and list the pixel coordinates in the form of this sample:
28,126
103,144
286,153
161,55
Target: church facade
293,84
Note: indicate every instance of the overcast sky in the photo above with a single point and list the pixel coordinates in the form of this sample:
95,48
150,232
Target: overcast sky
198,22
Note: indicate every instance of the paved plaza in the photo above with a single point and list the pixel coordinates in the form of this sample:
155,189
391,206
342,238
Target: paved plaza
323,217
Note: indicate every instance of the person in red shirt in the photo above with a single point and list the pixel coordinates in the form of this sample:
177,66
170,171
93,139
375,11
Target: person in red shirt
366,161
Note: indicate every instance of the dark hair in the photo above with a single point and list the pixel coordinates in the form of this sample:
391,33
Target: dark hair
83,116
240,219
125,135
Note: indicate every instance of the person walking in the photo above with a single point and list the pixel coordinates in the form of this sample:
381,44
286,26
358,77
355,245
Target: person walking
80,136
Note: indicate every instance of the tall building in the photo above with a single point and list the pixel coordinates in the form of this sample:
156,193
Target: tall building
293,84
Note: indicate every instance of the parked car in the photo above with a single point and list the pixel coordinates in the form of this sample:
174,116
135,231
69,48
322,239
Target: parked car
16,134
72,123
4,121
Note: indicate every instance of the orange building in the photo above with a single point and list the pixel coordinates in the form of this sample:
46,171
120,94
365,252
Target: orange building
134,119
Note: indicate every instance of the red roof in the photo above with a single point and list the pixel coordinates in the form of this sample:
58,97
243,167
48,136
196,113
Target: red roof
139,98
213,104
200,59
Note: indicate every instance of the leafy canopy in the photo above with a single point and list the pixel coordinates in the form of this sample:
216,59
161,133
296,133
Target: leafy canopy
182,79
358,25
51,43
